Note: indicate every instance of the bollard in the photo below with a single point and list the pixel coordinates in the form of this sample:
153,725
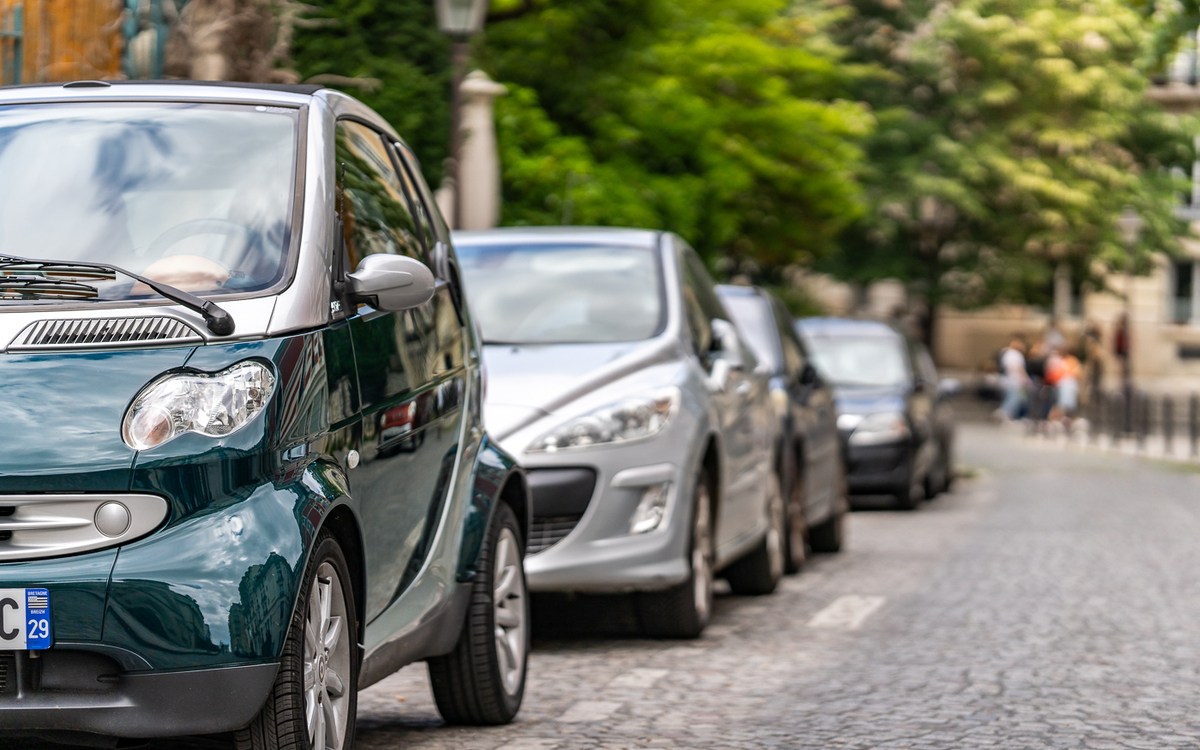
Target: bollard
1168,425
1141,405
1194,424
1095,415
1116,418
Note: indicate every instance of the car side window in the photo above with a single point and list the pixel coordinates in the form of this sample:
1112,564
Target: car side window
793,350
698,321
377,214
421,198
925,366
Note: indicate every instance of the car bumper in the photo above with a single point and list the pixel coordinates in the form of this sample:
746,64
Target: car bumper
141,705
591,548
878,468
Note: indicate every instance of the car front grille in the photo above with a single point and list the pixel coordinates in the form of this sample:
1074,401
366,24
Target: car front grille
80,333
547,532
560,498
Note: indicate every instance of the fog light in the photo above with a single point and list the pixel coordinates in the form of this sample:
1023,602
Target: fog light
651,512
112,519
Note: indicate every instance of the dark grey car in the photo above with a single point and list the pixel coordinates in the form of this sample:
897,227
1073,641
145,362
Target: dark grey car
896,425
809,462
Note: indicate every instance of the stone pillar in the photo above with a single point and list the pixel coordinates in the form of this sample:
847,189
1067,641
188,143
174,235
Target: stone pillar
480,158
1062,293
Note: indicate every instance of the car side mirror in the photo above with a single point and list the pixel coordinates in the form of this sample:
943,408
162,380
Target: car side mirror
809,376
728,344
392,282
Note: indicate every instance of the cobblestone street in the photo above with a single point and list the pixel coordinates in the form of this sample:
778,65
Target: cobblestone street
1051,601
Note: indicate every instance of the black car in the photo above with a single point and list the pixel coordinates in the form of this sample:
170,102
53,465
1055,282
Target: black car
808,460
896,425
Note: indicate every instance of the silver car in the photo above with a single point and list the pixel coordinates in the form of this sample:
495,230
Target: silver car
615,378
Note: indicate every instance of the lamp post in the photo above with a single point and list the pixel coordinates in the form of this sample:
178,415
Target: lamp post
1129,224
460,20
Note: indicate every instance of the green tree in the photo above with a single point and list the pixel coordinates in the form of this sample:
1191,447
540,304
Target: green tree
722,120
391,55
1011,133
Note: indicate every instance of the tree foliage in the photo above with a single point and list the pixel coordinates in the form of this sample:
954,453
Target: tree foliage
1010,135
389,54
719,119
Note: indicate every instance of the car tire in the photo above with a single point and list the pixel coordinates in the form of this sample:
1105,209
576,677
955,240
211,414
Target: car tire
482,681
759,572
314,701
796,543
829,536
910,493
938,479
683,611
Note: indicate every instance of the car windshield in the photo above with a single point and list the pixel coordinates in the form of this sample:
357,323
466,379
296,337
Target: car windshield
563,293
860,361
195,196
753,317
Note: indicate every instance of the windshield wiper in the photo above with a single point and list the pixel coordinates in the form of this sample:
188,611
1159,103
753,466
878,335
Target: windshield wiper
21,287
217,319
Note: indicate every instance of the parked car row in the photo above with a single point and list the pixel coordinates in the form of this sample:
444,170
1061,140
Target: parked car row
275,433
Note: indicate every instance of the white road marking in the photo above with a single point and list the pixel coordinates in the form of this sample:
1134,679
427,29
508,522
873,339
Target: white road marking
638,678
530,744
847,612
583,711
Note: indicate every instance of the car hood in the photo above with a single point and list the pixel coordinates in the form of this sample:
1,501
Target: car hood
870,400
526,383
61,412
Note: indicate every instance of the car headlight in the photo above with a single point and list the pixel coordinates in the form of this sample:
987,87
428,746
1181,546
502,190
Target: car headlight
885,427
630,419
213,405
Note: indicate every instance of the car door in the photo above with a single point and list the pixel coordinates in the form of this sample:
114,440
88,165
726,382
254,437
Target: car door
407,365
814,420
733,407
920,408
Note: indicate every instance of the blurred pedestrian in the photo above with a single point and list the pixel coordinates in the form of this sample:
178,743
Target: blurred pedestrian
1063,372
1122,346
1016,380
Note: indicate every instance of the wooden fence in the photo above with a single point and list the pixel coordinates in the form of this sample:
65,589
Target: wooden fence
62,40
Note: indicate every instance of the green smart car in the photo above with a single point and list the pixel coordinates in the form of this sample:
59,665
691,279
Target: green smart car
242,467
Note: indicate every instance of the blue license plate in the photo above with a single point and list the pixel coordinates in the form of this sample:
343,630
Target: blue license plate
24,619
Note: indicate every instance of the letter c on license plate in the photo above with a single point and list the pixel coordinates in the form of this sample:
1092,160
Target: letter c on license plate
24,619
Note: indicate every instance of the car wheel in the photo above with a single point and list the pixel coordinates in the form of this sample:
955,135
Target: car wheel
830,534
482,681
910,493
796,542
314,701
684,610
758,573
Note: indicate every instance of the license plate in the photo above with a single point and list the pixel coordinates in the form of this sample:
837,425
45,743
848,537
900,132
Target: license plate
24,619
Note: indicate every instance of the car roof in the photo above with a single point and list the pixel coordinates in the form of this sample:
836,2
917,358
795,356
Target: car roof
647,238
75,91
844,327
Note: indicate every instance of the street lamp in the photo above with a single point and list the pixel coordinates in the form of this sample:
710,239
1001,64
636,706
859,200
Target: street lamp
1129,225
460,20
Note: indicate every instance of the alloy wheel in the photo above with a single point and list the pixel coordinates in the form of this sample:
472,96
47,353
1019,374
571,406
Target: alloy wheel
508,601
326,662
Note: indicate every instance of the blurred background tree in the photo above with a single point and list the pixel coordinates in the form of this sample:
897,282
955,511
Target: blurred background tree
389,54
966,148
722,120
1010,135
